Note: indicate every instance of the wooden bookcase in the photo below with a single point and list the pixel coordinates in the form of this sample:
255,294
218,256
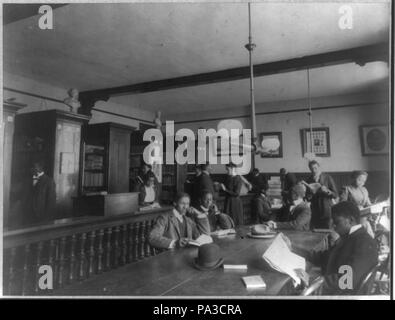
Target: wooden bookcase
105,158
52,137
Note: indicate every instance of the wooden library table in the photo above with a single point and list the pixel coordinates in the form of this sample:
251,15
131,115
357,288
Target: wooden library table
171,273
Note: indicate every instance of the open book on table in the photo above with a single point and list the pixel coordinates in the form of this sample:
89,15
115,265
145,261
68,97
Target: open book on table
282,259
202,239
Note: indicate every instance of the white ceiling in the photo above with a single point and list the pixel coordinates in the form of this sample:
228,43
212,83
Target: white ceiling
95,46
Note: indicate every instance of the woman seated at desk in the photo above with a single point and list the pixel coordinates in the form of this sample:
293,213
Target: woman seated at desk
358,194
207,216
174,230
148,196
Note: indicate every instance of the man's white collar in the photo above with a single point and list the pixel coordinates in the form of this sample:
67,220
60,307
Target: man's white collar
355,228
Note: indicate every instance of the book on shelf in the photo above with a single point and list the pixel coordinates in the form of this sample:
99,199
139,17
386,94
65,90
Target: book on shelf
254,282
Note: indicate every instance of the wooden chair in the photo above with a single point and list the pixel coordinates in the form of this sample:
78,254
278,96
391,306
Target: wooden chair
315,287
366,286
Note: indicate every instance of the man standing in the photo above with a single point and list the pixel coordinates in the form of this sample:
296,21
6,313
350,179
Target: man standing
201,184
258,181
288,181
42,196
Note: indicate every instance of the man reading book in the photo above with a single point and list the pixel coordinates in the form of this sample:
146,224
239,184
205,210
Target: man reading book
355,250
300,213
174,230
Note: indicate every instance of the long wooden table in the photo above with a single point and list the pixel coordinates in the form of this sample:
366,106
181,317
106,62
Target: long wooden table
171,273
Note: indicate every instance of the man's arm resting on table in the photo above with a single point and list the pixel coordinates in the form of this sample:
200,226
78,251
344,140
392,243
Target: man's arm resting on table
156,238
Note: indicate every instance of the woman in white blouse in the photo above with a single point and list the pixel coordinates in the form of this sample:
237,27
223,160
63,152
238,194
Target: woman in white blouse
148,192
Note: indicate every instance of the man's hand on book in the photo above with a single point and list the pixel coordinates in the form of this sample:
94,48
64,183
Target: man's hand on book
304,276
182,242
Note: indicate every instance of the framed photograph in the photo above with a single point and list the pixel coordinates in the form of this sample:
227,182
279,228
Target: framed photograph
272,144
321,141
374,140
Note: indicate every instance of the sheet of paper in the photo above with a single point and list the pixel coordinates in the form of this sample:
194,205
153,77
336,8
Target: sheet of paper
236,266
282,259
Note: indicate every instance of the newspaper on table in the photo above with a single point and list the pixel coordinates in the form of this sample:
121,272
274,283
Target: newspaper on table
282,259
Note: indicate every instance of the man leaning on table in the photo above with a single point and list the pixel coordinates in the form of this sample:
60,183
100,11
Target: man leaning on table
300,212
174,230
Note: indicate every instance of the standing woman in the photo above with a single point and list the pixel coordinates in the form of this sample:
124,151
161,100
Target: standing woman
232,187
322,196
358,194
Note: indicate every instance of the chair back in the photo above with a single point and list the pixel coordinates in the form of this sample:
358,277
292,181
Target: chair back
315,287
366,286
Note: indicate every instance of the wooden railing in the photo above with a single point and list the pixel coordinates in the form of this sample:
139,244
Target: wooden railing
74,250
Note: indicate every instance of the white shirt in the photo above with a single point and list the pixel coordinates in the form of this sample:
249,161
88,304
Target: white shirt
355,228
149,194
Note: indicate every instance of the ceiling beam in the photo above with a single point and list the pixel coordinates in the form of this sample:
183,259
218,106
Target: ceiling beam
359,55
13,12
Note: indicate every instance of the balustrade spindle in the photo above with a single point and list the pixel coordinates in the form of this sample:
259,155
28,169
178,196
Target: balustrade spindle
116,247
108,249
141,239
130,243
82,273
92,238
72,257
147,248
100,252
124,248
62,260
26,267
39,253
11,270
153,250
136,241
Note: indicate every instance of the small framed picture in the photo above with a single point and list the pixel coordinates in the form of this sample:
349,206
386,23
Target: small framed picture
374,140
272,144
316,141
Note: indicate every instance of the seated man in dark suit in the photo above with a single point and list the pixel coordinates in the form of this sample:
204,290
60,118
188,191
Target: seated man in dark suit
260,207
174,230
207,216
355,250
300,213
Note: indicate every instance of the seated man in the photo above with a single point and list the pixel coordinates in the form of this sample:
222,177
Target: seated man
175,229
148,192
354,249
208,218
300,213
260,207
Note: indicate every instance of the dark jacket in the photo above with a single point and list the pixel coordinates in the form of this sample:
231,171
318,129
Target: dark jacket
43,200
201,184
287,183
167,228
299,218
258,182
261,209
233,203
321,202
357,250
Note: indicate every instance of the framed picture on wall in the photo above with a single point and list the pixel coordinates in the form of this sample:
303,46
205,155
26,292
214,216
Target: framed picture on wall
374,140
320,143
272,144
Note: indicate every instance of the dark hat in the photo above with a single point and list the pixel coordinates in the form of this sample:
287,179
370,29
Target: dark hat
208,257
299,190
225,221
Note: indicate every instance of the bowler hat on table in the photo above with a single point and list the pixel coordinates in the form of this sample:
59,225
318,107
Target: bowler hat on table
208,257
